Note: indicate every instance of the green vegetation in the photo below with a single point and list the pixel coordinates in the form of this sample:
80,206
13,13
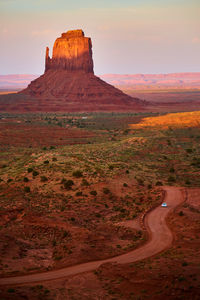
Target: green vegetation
77,174
150,156
35,173
43,178
67,183
27,189
106,191
26,179
161,156
93,193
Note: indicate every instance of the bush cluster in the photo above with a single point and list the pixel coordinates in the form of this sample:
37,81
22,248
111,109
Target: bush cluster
77,174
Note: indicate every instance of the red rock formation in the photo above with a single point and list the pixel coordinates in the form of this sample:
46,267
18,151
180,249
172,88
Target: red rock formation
69,78
47,60
72,52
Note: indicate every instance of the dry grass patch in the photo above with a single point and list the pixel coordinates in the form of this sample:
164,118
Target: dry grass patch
177,120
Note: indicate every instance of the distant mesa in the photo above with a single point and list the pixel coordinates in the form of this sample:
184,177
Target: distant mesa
69,83
154,81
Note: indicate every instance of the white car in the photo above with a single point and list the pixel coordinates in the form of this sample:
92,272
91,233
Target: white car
164,204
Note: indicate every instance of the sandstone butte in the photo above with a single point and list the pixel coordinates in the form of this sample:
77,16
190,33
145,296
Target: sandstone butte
69,83
69,77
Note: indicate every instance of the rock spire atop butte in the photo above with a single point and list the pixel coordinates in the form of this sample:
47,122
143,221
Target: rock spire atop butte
72,52
69,83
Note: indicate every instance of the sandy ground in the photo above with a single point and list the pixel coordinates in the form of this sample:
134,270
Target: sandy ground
160,238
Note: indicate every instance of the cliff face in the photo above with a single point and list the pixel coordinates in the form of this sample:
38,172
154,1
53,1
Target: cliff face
72,52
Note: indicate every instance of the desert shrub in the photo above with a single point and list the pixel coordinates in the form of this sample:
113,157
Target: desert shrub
68,184
72,219
169,142
125,185
171,179
181,278
3,166
66,234
116,208
52,147
189,150
43,179
159,183
46,162
181,213
126,131
54,159
140,181
9,180
54,243
39,286
127,171
79,194
141,199
63,180
58,257
35,173
44,148
93,193
85,182
11,290
30,170
196,162
26,179
111,167
187,181
77,174
106,191
98,215
149,186
172,170
27,189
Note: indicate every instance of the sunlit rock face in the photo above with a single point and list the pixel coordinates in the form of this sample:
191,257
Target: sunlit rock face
69,81
72,52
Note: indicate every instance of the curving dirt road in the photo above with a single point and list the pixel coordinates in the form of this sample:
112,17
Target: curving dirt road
160,238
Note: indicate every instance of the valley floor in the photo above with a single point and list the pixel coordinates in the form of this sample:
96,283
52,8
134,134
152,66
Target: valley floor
70,184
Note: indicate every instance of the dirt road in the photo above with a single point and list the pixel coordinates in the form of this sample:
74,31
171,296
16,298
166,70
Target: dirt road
160,238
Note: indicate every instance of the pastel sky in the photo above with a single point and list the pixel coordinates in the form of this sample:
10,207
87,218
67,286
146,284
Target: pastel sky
128,36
